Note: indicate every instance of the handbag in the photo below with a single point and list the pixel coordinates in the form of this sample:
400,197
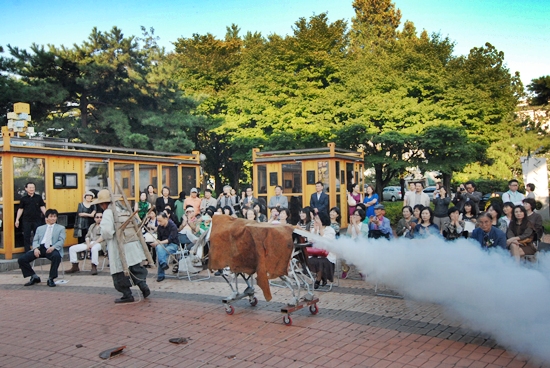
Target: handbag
77,232
351,201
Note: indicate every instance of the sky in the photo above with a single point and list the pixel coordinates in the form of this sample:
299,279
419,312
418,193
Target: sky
519,28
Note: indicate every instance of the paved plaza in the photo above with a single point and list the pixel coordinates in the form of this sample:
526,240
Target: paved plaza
69,325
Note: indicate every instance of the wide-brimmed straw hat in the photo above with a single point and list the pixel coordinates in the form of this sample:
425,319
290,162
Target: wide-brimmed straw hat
104,196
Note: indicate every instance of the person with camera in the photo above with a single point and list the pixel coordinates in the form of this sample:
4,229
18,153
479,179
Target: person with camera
467,193
225,199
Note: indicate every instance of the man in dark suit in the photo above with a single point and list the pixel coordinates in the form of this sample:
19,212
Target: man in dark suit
319,199
47,243
30,211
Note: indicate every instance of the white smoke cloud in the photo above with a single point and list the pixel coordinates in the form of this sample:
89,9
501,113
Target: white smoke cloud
489,290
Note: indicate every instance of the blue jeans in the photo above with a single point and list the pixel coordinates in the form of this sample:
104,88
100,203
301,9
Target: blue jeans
162,255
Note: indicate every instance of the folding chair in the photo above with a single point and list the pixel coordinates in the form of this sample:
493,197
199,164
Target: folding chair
186,265
102,266
41,263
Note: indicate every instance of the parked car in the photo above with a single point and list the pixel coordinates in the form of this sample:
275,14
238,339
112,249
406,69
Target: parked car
486,197
430,192
392,194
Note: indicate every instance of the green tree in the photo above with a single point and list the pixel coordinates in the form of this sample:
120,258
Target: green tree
540,88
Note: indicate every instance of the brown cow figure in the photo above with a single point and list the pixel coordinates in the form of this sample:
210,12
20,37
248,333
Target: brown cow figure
250,247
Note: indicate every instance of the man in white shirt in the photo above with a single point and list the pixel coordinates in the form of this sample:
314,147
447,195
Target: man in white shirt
513,195
419,197
407,200
47,243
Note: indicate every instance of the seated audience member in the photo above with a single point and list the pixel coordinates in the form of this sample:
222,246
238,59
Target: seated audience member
193,200
416,214
379,225
321,266
47,243
495,210
426,226
274,216
260,209
441,207
251,215
229,211
405,226
189,227
284,215
335,218
469,216
149,231
243,211
208,201
204,225
305,221
487,235
166,242
504,221
453,228
520,234
248,198
172,215
94,242
534,218
357,228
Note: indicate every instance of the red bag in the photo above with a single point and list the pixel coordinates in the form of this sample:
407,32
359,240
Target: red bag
316,252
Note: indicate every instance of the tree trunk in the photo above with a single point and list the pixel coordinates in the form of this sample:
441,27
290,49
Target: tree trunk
83,110
447,181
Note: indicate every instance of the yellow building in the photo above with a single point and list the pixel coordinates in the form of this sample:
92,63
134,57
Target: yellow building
297,171
63,172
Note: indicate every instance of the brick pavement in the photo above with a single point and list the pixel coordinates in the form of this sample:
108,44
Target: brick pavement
354,328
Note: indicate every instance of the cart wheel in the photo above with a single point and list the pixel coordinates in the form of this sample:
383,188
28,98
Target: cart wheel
230,310
313,309
253,302
287,320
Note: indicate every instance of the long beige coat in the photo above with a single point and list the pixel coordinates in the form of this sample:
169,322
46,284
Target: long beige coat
134,250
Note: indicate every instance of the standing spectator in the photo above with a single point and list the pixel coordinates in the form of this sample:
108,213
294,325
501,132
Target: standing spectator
487,235
194,200
278,200
47,243
179,209
426,226
512,195
371,199
207,201
441,204
467,192
405,226
248,198
30,211
84,217
534,218
165,200
355,195
225,199
520,234
530,191
453,228
142,206
407,198
151,195
379,225
319,199
419,197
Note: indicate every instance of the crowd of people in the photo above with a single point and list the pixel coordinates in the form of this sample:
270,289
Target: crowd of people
169,223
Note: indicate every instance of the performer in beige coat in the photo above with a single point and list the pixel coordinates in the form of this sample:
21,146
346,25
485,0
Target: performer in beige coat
133,250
